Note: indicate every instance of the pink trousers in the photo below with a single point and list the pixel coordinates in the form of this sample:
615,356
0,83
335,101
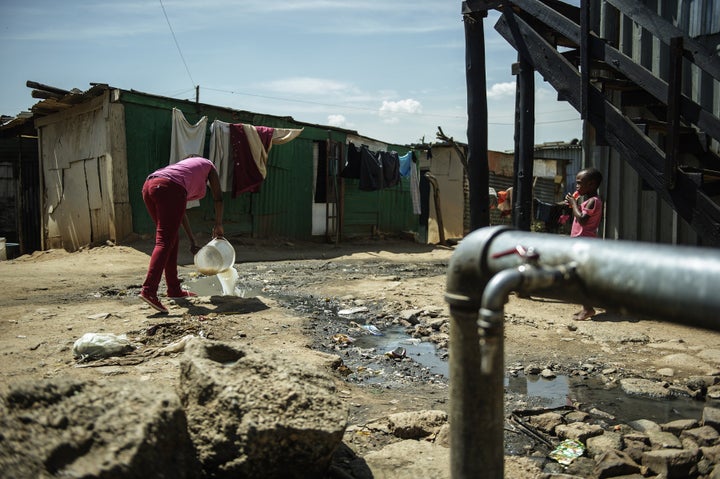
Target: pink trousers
165,201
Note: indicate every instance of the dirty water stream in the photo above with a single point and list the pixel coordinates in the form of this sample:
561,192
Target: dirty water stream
370,353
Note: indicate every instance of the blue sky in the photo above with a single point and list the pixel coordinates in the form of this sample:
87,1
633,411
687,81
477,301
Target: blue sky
392,70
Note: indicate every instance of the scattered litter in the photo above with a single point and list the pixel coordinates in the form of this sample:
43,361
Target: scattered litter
343,338
99,316
351,311
397,353
177,346
372,329
567,451
101,345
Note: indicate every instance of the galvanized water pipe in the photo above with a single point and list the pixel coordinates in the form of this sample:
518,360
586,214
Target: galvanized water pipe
673,283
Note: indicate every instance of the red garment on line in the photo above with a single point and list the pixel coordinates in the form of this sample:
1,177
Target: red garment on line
246,176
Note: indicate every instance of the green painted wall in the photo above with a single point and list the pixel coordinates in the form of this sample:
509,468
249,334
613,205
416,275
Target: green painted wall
283,206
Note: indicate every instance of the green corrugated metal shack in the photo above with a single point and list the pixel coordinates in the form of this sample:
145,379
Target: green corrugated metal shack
292,201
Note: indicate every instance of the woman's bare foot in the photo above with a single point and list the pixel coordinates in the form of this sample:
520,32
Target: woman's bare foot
584,315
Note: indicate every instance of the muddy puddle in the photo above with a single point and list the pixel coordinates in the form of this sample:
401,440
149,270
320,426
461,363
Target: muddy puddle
387,355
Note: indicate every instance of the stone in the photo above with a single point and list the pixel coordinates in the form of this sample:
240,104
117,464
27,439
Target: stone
711,417
715,474
442,438
712,453
407,459
663,440
258,414
635,445
68,428
678,426
580,467
416,424
645,388
671,463
411,316
579,430
546,422
576,416
547,373
614,463
607,441
702,436
700,383
666,372
713,392
602,414
644,425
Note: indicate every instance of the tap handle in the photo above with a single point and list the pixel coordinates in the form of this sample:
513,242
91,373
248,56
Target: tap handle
520,250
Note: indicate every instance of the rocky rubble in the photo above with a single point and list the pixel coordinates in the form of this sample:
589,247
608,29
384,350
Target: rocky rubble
238,413
680,449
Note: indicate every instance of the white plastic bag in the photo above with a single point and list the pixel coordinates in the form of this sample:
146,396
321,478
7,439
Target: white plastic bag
101,345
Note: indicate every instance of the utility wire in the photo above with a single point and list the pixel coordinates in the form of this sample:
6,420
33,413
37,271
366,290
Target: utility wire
177,44
374,110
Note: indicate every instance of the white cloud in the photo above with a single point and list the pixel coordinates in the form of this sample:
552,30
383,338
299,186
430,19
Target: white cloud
403,106
501,90
309,86
337,120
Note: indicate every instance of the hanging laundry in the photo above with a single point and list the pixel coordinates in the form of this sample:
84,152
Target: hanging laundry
220,153
250,146
371,170
285,135
186,140
391,168
405,163
352,165
415,188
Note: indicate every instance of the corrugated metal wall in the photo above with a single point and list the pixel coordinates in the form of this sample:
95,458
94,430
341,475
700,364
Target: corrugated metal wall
283,207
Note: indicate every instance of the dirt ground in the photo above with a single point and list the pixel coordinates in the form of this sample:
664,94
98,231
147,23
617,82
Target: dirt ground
295,291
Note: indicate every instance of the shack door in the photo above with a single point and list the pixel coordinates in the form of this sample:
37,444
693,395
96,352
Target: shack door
327,207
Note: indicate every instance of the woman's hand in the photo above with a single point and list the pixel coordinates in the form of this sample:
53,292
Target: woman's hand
218,231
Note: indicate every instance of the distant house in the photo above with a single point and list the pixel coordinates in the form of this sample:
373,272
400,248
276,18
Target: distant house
97,147
554,167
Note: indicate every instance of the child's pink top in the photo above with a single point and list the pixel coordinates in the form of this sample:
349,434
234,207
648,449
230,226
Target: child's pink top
190,173
590,227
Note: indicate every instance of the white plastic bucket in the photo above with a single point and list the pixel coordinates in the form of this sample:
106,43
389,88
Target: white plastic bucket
215,257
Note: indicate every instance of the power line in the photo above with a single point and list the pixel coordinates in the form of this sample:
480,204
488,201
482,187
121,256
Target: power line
369,109
177,44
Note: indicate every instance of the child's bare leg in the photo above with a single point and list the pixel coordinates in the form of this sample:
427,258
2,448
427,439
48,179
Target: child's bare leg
586,313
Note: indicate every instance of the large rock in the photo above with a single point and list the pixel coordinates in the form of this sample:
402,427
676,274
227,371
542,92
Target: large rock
645,388
254,414
416,424
64,428
671,463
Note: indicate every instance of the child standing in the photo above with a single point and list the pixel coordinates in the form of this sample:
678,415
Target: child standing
586,216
